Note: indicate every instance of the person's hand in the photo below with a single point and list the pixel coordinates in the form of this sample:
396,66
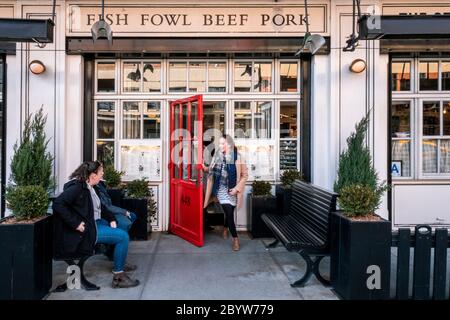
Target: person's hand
232,192
81,227
128,214
113,224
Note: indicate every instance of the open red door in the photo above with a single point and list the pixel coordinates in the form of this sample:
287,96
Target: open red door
186,190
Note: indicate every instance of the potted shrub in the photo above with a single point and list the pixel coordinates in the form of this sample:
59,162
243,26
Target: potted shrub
139,199
283,191
260,201
26,236
113,181
360,239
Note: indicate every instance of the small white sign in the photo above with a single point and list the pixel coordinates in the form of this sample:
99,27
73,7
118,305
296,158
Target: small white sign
396,168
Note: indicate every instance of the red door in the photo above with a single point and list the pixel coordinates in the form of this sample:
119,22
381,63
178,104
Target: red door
186,189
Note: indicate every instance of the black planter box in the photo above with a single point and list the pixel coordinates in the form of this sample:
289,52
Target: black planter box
356,245
116,196
256,207
138,230
26,253
283,195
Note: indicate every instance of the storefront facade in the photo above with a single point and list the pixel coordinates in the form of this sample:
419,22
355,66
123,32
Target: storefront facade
111,101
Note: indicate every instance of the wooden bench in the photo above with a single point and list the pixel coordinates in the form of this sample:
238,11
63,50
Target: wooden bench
305,229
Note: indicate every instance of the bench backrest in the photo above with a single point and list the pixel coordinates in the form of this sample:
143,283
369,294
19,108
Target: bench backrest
311,206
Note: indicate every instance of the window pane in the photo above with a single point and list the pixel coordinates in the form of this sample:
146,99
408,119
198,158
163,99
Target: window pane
401,76
401,151
217,75
105,152
445,156
177,76
197,76
243,77
132,77
445,75
429,156
428,74
263,120
288,119
213,120
262,77
242,119
288,76
152,77
106,77
288,154
401,119
446,117
105,120
131,120
152,119
431,118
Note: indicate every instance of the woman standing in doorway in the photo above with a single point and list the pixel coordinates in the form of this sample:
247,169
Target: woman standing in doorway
226,181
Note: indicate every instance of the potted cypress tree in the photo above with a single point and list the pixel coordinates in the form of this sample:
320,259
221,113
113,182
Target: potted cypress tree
26,236
260,201
140,200
113,181
360,239
283,191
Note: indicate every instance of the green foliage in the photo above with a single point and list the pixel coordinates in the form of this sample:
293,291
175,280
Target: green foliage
356,177
289,176
31,164
261,188
359,200
138,189
27,202
113,178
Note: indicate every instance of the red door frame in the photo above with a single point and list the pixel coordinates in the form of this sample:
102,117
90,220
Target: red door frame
186,196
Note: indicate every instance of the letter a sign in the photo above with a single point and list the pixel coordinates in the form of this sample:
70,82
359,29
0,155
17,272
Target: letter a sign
396,168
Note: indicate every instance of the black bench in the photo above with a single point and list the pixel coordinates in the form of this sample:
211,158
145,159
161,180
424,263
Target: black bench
305,228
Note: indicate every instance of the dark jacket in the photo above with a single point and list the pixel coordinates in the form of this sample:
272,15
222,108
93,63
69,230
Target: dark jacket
107,205
70,208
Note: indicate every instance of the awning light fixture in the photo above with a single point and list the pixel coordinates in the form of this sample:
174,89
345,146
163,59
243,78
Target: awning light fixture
101,29
311,42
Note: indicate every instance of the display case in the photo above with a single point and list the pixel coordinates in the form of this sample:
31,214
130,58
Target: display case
140,159
259,155
288,154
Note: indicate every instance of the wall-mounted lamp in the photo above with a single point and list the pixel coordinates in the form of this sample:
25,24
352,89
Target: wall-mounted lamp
358,66
36,67
101,29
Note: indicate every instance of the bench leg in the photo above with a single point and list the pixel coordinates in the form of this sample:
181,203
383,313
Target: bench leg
312,267
272,244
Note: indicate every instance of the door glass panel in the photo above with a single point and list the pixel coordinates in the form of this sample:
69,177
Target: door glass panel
105,120
132,77
131,120
106,76
213,126
445,156
401,151
429,156
431,118
152,77
243,77
242,119
217,76
263,120
177,76
152,120
197,76
428,75
177,146
288,76
262,77
401,76
195,139
186,142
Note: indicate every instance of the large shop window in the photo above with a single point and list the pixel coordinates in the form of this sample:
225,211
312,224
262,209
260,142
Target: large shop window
252,76
420,119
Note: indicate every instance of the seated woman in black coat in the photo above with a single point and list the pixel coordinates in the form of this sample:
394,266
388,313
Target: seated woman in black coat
80,222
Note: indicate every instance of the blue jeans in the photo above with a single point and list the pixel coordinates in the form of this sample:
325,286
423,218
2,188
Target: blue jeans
117,237
125,223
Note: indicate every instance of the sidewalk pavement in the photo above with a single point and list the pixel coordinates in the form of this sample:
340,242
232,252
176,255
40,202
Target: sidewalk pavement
171,268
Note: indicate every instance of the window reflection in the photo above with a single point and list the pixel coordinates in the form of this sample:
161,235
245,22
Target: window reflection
217,75
401,119
131,120
197,77
152,76
243,77
401,76
106,76
177,76
431,118
445,66
133,75
242,119
263,120
262,77
105,120
288,76
151,120
428,75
